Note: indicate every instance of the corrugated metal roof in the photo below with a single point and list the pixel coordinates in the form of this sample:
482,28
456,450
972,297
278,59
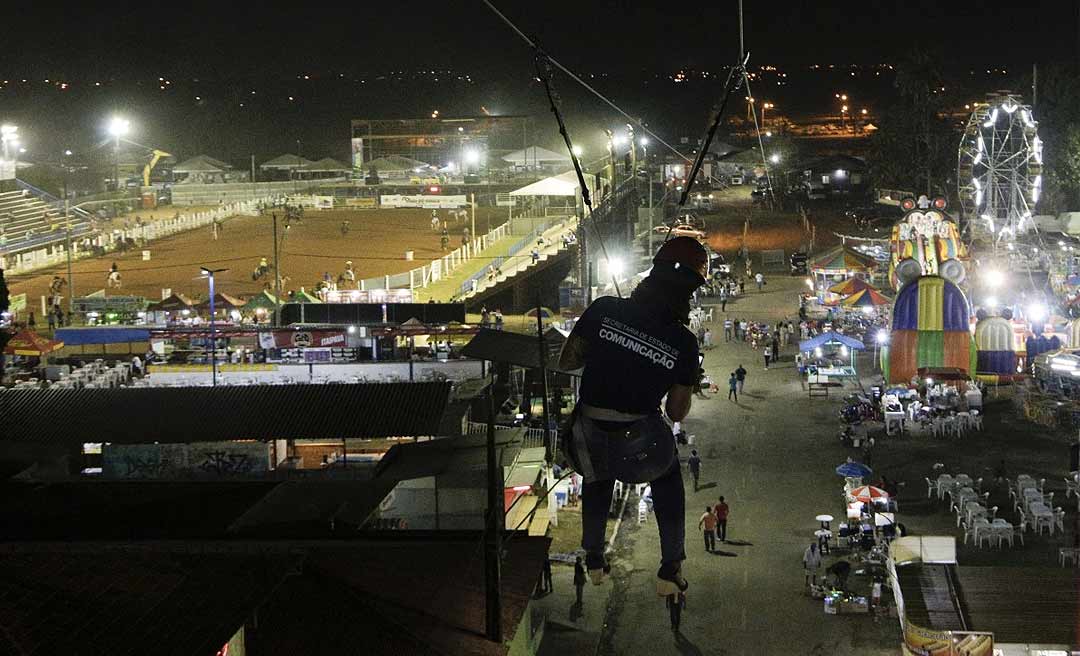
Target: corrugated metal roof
208,414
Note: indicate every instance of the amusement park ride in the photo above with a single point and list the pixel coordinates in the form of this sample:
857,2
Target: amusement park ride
999,169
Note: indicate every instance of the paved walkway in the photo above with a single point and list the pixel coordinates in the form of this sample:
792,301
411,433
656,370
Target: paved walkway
772,456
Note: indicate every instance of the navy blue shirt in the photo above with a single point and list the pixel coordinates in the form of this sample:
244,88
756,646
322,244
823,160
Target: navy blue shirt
632,359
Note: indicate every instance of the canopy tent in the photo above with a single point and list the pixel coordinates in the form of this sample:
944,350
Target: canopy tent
865,298
394,163
264,300
31,344
843,261
830,338
564,184
850,286
324,165
222,301
535,156
201,164
286,162
172,303
303,297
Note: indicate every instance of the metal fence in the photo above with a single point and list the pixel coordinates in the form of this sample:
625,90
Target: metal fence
533,437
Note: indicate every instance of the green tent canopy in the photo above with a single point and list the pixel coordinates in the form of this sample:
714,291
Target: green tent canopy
264,300
303,297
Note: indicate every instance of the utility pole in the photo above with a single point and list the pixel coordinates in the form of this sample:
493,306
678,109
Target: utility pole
472,198
277,277
493,528
1034,85
253,168
742,49
549,447
67,248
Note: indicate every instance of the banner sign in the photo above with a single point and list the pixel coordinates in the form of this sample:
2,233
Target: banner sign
357,152
17,303
317,202
302,339
426,202
362,203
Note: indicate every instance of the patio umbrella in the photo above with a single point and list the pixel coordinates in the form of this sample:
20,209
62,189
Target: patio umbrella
868,493
545,313
850,286
853,470
865,298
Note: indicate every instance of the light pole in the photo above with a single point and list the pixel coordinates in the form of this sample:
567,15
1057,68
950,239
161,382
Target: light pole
118,128
67,222
765,106
209,273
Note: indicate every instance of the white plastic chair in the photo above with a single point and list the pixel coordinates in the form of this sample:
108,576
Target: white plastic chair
931,487
983,532
1004,532
969,531
1059,519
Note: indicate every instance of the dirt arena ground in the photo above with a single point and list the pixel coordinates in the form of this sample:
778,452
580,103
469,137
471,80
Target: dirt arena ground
376,243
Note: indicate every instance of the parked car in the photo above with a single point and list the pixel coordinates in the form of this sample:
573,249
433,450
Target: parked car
798,263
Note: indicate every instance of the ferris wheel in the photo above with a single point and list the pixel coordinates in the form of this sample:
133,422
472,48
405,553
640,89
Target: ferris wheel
999,169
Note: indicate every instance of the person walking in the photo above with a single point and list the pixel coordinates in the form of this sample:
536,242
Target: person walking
775,347
498,319
723,299
676,604
740,376
31,323
811,563
579,578
546,585
52,321
733,390
706,339
727,330
759,279
693,463
721,510
768,355
707,524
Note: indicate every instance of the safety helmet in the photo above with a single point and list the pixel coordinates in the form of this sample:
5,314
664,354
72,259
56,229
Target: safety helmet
685,254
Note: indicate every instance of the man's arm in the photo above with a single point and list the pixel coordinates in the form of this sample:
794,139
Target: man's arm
677,405
573,353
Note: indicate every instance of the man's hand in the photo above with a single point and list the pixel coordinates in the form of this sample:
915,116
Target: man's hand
677,405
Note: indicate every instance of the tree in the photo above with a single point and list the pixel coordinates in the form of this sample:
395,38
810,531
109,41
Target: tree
915,146
1058,114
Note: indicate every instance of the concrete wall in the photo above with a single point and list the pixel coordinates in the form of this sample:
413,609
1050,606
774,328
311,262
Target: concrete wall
414,501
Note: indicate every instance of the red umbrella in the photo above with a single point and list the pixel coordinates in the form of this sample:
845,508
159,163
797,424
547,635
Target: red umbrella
868,493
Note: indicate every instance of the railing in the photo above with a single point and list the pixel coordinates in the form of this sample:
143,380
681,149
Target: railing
427,274
111,240
533,437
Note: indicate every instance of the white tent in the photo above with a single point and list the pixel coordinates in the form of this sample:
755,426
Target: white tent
564,184
535,156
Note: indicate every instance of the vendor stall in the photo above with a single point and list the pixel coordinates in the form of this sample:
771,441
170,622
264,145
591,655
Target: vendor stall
30,344
838,263
829,356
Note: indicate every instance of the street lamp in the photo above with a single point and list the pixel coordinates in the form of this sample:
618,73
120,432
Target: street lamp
118,128
577,151
774,158
764,107
209,274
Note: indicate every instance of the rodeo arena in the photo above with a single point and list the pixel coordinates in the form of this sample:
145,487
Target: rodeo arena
346,357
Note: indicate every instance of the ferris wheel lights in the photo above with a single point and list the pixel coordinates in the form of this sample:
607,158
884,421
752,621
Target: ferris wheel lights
1009,106
993,119
1026,115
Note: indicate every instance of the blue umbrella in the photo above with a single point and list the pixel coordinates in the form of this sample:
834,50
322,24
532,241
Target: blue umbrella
853,470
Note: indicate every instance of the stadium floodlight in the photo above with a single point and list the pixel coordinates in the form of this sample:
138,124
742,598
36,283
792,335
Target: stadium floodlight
472,156
577,151
6,130
619,140
644,141
774,158
119,127
994,278
616,267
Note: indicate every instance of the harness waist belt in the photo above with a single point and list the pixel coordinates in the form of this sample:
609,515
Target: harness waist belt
607,414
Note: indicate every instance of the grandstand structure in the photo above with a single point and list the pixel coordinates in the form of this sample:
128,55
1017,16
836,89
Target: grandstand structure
32,219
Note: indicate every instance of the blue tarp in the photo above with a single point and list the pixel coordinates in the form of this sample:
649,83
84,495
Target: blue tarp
102,335
830,338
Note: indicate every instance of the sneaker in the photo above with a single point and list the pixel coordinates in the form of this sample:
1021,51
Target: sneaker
598,567
669,580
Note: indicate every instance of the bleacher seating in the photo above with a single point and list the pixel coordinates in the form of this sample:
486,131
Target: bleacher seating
27,221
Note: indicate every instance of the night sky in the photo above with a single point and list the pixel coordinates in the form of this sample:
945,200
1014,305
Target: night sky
217,54
243,38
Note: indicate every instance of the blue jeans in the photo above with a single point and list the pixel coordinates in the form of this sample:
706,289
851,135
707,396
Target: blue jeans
669,505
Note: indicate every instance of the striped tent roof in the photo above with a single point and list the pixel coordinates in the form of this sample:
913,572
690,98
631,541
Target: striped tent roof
850,286
865,298
842,259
